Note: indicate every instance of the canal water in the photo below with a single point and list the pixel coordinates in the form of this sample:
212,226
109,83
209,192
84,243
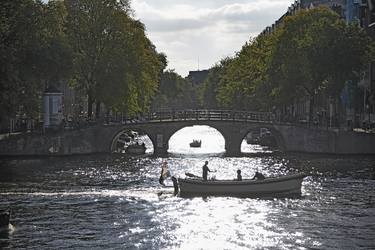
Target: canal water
116,201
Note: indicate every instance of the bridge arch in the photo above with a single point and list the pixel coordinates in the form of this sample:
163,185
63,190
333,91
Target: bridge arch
213,141
275,132
117,134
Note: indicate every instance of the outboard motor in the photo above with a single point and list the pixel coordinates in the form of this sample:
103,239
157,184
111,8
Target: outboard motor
175,185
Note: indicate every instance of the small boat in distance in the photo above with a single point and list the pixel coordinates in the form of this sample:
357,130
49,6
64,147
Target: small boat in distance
196,144
136,149
283,186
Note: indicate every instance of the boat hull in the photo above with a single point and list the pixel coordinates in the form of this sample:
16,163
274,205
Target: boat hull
135,150
280,186
196,144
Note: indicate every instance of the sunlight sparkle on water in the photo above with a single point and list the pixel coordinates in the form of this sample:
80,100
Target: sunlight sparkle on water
117,202
209,224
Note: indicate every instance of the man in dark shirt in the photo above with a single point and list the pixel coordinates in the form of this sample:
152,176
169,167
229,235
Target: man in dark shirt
205,170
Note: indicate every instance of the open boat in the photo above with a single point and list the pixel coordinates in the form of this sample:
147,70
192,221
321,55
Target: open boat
289,185
136,149
196,144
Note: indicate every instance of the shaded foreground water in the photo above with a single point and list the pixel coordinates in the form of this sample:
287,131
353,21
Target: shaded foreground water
116,202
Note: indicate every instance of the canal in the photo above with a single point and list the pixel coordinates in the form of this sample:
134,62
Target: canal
116,201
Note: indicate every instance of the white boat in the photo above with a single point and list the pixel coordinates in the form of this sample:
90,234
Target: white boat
289,185
137,149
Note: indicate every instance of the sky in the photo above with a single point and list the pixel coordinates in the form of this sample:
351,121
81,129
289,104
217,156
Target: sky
196,34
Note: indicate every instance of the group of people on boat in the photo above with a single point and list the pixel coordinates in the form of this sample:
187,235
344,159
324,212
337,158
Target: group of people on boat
205,170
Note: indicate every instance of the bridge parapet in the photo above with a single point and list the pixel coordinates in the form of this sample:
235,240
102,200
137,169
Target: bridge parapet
218,115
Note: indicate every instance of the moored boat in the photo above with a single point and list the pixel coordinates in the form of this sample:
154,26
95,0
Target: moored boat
196,144
124,138
289,185
137,149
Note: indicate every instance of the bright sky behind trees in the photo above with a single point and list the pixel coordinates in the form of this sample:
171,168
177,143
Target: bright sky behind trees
198,33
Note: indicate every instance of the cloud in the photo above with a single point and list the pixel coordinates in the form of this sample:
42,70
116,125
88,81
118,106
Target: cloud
208,29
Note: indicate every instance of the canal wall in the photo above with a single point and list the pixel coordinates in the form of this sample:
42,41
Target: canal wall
317,140
87,141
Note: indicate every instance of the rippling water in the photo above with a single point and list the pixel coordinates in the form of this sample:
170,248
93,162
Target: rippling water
116,202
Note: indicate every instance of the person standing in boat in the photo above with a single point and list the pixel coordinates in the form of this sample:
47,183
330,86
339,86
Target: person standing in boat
239,176
205,171
164,173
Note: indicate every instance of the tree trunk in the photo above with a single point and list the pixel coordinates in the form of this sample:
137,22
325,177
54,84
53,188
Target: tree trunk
341,112
97,110
89,104
311,109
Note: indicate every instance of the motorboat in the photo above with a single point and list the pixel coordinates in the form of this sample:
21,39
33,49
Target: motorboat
252,138
288,185
136,149
267,140
196,144
124,138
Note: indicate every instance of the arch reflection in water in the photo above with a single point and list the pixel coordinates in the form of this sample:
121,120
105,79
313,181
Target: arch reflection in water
212,141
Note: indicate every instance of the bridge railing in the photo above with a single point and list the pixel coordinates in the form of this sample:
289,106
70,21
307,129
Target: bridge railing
210,115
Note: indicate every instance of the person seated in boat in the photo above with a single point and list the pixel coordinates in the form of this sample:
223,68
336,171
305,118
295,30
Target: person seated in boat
205,171
258,176
239,176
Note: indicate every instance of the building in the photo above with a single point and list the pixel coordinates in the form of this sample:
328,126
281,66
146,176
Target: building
197,77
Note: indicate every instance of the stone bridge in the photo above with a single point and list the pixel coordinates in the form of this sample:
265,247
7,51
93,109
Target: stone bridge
159,127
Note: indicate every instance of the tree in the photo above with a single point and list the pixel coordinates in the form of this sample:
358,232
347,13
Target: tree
32,54
55,57
90,28
174,92
209,90
316,51
114,62
130,70
242,84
